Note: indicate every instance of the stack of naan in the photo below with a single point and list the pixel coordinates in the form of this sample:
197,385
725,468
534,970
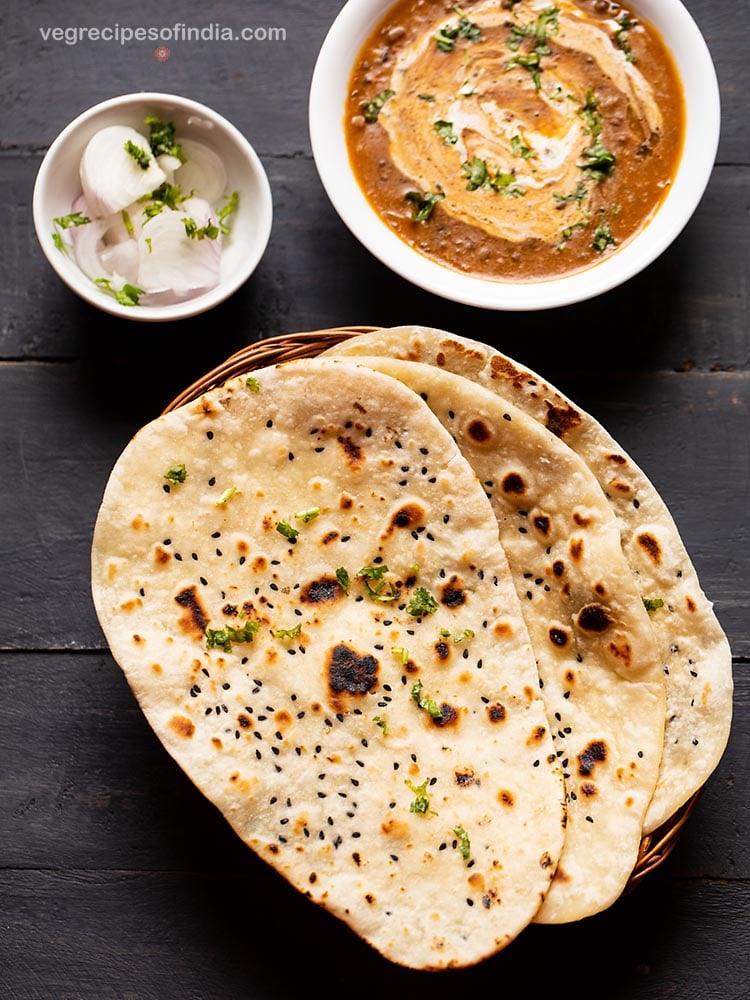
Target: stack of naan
421,630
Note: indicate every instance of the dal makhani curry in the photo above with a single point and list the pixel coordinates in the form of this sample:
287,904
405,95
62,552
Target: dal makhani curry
514,139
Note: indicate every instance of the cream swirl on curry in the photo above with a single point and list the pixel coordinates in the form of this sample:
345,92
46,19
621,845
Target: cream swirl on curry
511,127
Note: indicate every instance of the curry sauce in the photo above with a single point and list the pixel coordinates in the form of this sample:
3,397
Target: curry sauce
515,140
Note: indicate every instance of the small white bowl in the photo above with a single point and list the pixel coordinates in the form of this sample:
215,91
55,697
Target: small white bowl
328,94
58,185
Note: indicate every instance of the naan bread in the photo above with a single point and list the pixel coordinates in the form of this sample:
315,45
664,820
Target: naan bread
694,651
391,758
597,658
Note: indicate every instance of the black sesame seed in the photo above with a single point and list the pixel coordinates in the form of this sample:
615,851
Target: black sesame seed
166,488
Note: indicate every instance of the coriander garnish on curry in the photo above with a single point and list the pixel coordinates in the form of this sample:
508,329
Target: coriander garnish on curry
518,141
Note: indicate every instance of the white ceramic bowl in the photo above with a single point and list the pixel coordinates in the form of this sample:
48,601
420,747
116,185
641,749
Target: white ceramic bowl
328,94
58,184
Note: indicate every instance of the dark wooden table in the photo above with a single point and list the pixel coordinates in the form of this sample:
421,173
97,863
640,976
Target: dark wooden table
117,879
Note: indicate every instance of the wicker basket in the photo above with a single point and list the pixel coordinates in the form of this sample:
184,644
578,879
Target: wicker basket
655,847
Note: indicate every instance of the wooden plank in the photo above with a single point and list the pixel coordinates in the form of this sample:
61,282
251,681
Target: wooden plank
244,82
86,784
260,86
687,310
62,428
243,932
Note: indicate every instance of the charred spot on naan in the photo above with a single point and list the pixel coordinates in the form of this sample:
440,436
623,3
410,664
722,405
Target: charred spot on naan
453,593
541,522
650,545
351,672
353,453
195,617
324,590
560,420
406,516
594,618
559,636
496,712
591,756
514,484
479,431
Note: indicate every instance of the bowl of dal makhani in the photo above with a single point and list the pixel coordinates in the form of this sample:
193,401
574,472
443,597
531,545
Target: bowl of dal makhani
515,154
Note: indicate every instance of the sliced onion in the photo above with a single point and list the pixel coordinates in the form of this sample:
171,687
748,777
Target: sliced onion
111,177
117,230
202,172
198,209
87,241
171,260
122,259
169,164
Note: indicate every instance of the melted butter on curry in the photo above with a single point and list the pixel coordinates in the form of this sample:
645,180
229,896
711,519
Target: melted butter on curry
536,136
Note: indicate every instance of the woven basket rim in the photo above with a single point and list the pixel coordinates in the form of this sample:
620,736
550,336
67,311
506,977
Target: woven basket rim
655,847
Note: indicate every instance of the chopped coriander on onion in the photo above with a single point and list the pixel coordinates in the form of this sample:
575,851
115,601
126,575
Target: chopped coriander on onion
161,138
128,295
73,219
198,233
140,156
227,210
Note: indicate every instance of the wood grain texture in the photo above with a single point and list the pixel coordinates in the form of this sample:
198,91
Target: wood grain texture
239,934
